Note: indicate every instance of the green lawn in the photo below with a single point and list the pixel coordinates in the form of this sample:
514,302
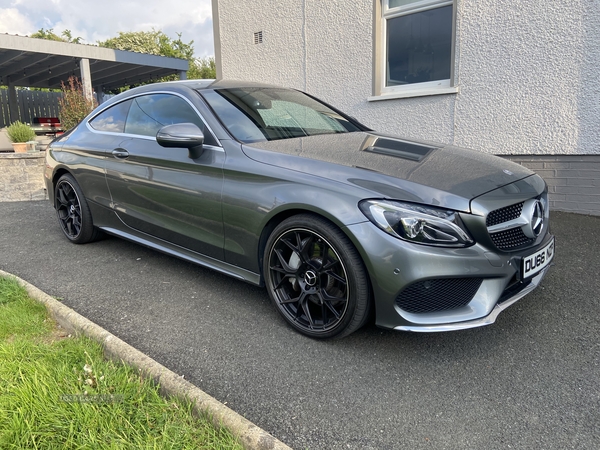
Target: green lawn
57,391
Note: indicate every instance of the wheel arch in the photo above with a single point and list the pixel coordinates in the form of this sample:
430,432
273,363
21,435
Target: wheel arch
268,228
280,216
55,177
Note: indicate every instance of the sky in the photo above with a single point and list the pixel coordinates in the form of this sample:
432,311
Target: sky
98,20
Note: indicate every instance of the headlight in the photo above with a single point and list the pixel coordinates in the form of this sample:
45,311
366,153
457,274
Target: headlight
417,223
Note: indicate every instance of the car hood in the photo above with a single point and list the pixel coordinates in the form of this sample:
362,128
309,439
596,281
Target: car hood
393,167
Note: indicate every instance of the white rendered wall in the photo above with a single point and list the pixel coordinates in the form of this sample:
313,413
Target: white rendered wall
528,71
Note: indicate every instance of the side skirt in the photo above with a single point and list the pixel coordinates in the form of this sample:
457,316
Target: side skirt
187,255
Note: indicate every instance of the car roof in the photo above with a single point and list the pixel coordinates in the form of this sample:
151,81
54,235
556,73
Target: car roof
207,84
180,85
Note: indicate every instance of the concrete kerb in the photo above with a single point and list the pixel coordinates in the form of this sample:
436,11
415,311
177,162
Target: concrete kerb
250,436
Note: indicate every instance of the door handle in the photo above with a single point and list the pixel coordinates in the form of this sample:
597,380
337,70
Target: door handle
120,153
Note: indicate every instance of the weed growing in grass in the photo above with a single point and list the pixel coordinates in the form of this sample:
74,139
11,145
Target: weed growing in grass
63,394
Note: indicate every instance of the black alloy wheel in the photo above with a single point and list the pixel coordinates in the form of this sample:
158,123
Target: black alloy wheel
316,278
73,212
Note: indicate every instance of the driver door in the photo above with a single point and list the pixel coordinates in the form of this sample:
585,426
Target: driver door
161,191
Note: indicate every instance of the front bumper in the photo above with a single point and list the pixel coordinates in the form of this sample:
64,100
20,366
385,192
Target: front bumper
394,265
487,320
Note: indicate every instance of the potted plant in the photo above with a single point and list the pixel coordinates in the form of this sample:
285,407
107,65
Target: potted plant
19,134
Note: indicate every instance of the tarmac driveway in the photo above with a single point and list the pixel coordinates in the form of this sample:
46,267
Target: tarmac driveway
531,380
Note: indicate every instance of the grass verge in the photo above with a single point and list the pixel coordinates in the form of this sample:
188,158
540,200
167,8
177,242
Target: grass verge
57,391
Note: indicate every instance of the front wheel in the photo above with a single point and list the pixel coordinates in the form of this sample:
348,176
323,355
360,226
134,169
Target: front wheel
73,212
316,278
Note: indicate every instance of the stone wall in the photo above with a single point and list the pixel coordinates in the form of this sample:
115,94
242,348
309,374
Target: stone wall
21,177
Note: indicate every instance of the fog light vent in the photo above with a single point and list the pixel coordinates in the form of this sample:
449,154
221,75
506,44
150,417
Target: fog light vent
438,295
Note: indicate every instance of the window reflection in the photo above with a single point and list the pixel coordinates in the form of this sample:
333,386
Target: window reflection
256,114
112,119
419,47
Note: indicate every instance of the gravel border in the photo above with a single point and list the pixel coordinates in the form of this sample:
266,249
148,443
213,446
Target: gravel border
249,435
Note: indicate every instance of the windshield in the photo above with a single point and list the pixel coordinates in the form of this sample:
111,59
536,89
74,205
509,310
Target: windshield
258,114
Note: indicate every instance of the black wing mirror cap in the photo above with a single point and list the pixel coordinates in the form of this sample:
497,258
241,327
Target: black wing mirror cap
182,135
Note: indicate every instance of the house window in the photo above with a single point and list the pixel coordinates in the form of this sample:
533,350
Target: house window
417,42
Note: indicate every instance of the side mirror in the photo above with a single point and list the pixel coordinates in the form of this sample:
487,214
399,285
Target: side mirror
186,135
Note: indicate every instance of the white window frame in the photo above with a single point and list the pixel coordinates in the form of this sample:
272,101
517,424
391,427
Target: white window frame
383,92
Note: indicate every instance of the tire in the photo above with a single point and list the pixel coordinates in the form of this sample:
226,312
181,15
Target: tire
73,212
316,278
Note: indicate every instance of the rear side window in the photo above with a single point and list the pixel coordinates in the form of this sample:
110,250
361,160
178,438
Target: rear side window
112,119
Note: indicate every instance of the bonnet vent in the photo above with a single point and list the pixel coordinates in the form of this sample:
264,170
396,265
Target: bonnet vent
400,149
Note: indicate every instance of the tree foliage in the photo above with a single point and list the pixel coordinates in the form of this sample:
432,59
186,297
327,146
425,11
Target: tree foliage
66,36
202,68
151,42
73,105
158,43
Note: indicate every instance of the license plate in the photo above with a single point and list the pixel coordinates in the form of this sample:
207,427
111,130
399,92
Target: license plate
532,264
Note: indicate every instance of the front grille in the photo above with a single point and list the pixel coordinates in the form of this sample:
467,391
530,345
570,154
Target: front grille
438,295
509,239
505,214
512,238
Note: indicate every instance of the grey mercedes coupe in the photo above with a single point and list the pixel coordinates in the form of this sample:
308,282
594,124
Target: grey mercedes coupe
276,188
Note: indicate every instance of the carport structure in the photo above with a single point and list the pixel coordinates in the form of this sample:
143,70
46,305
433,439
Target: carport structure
43,63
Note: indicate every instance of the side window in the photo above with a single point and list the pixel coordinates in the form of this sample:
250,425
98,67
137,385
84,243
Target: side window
149,113
417,39
112,119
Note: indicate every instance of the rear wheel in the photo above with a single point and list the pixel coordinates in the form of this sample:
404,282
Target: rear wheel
316,278
73,212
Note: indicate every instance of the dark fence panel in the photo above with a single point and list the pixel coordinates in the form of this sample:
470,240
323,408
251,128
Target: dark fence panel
4,113
37,104
31,104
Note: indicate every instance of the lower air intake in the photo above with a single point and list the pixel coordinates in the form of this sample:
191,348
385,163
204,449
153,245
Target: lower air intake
438,295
